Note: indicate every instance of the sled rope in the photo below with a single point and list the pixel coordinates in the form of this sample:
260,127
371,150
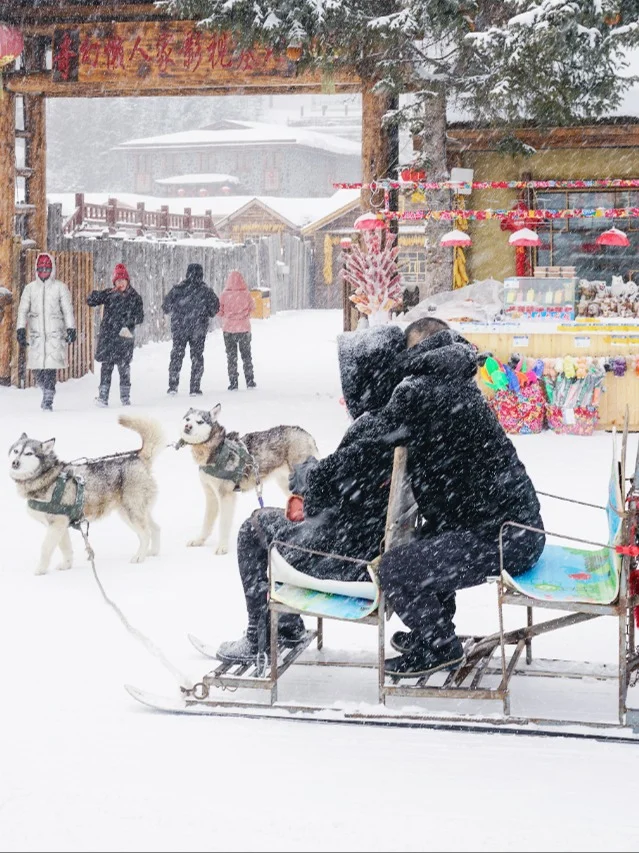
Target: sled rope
183,680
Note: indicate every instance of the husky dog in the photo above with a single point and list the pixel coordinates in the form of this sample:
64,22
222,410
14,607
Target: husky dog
123,482
273,454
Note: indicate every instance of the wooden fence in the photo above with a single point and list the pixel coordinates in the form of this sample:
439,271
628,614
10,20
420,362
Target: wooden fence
115,217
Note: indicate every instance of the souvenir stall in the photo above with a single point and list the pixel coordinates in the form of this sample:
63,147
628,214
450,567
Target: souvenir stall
560,352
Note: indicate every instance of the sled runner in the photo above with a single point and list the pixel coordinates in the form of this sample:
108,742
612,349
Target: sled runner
498,670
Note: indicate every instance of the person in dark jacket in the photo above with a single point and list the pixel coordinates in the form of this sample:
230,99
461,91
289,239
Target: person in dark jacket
345,494
467,480
191,304
123,311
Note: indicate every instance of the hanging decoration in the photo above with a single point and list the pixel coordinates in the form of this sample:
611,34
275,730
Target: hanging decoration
595,183
524,237
612,237
11,44
541,215
460,274
455,238
368,222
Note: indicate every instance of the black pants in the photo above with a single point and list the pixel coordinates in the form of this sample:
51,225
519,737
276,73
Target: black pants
106,371
46,379
233,340
420,579
253,539
196,343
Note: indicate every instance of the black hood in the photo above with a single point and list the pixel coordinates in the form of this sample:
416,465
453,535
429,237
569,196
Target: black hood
445,355
194,274
369,368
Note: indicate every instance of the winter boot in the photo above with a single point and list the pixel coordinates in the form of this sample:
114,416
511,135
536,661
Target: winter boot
102,400
195,392
125,395
251,383
233,385
423,658
47,400
402,641
291,633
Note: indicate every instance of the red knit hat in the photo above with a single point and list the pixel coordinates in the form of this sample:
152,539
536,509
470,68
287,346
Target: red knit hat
120,271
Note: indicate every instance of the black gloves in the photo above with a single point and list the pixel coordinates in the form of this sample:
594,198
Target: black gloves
21,335
297,479
71,336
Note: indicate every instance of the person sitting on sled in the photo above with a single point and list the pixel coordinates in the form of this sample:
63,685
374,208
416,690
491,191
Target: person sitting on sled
467,480
345,495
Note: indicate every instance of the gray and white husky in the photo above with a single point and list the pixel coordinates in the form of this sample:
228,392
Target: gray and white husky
274,453
123,482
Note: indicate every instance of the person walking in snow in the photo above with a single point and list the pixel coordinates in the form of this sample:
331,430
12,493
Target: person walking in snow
123,311
191,304
236,307
46,309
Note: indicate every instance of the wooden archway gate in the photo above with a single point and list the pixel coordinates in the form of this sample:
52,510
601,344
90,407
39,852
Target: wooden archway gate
108,48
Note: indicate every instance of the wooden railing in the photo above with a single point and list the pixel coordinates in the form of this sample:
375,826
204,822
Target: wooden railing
158,222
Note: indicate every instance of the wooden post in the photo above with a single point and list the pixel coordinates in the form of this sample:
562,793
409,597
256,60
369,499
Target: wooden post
188,223
141,218
7,212
377,148
208,223
164,218
36,160
112,215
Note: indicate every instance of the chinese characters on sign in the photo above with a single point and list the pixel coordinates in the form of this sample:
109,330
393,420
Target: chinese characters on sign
155,51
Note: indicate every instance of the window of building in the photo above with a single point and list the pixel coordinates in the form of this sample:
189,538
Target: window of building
571,242
412,265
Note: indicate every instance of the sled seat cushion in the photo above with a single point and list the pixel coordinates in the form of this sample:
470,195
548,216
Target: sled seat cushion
570,574
328,598
579,575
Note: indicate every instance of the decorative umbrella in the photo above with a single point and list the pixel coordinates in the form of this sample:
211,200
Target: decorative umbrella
612,237
455,238
524,237
368,221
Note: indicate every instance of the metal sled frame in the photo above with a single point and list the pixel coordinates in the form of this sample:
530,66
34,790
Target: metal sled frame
485,657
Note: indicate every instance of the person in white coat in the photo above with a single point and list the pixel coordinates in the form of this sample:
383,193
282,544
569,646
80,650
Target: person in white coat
46,308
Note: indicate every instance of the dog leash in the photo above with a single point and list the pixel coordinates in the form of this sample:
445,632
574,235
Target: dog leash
183,680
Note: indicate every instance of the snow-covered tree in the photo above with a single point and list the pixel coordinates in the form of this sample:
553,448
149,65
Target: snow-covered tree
549,61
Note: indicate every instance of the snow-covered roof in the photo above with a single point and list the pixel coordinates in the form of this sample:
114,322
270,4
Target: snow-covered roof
212,178
298,211
249,133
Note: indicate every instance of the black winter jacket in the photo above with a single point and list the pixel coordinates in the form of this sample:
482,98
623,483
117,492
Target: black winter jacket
191,304
464,469
121,310
346,494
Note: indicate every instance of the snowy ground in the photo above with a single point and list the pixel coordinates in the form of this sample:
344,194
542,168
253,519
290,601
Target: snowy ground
83,767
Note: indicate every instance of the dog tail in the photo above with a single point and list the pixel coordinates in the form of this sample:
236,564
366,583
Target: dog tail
152,434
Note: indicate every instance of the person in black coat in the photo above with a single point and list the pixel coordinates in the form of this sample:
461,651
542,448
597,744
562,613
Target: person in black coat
467,480
191,304
123,311
345,494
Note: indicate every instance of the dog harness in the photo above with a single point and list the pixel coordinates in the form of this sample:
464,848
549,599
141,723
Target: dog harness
232,462
74,511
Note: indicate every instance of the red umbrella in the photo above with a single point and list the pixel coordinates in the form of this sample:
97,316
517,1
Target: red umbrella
612,237
455,238
524,237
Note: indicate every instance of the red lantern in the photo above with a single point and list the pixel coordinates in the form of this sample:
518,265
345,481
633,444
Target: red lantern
11,44
413,175
612,237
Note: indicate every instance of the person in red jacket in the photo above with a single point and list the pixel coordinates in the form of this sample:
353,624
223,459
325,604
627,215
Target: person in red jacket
236,306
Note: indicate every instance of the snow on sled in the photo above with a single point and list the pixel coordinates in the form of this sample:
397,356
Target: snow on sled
498,686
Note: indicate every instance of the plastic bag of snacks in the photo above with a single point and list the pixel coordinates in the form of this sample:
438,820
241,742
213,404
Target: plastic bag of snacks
579,421
520,412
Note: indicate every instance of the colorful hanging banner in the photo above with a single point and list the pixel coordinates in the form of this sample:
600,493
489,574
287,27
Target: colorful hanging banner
538,214
602,184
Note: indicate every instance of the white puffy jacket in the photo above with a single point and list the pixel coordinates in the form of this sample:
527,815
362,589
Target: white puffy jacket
47,311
